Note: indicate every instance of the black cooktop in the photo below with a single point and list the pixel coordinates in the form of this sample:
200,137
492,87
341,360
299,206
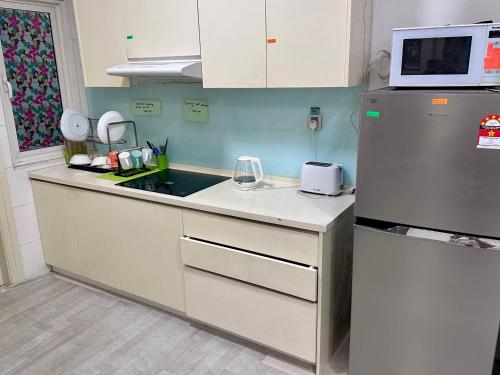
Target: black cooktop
174,182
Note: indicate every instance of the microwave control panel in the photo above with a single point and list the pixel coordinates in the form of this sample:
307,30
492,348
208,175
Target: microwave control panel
491,71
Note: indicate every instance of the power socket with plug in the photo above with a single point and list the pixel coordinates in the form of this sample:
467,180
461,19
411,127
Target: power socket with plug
314,119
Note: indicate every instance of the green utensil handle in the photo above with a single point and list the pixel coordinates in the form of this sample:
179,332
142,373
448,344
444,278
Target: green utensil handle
162,162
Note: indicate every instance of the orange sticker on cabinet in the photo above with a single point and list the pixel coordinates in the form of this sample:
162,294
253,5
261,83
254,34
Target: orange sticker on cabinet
271,41
440,101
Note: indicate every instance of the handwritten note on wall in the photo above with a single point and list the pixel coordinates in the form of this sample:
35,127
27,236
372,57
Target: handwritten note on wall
146,107
196,110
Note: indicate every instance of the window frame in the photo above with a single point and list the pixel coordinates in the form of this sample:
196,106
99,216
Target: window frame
59,11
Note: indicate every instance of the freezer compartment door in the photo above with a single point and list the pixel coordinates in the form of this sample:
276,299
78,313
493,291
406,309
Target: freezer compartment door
422,306
419,164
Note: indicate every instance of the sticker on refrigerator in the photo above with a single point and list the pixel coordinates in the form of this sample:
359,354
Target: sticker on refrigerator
489,132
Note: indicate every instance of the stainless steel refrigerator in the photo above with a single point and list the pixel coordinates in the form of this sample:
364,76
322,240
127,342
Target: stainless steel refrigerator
426,278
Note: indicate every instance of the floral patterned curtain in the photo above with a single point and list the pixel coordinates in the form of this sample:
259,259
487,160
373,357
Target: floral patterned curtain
30,63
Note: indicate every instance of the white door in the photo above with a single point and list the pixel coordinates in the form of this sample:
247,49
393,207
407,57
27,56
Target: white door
161,28
233,43
307,43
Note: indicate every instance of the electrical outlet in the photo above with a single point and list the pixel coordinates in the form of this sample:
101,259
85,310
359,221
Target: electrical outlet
314,119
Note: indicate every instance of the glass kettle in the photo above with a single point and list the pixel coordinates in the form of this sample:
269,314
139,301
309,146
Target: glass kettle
248,172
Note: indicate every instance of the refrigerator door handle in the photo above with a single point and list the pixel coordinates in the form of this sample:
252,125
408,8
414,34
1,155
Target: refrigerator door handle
444,237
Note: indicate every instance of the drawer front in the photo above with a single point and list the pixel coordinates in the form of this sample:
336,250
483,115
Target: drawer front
278,321
291,244
299,281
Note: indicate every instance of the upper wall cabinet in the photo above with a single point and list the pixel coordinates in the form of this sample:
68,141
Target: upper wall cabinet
161,28
283,43
314,43
233,49
102,44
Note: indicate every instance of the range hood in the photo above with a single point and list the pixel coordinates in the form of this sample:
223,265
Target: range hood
167,70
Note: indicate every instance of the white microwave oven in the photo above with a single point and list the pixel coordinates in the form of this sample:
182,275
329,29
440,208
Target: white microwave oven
462,55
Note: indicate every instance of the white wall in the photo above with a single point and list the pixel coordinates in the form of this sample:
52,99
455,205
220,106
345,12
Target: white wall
23,209
388,14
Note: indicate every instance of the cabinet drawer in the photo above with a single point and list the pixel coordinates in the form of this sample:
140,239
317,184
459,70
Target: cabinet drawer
275,274
273,319
296,245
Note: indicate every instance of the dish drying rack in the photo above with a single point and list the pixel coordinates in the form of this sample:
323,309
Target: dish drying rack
94,140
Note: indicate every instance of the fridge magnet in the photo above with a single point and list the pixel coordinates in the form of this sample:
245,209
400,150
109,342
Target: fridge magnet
489,132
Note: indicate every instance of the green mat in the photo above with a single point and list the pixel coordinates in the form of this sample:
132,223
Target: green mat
111,176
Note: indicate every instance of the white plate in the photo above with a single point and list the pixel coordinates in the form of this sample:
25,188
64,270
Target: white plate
116,132
74,125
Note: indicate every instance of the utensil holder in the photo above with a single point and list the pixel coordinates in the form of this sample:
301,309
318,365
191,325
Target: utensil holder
162,162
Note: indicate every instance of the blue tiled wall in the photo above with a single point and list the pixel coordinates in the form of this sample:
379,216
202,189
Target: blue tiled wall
267,123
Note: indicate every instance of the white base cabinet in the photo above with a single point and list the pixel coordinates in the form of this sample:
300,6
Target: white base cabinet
56,225
281,287
92,217
126,244
284,288
147,239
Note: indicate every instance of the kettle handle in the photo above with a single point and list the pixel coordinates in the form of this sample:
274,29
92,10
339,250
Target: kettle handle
259,172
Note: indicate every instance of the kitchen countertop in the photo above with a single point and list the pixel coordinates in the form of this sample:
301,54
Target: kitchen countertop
277,202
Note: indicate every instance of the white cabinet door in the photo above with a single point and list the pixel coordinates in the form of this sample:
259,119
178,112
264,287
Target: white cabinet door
56,225
147,237
102,41
233,43
93,215
309,41
161,28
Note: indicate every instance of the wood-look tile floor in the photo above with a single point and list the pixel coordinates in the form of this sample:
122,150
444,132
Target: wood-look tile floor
54,326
